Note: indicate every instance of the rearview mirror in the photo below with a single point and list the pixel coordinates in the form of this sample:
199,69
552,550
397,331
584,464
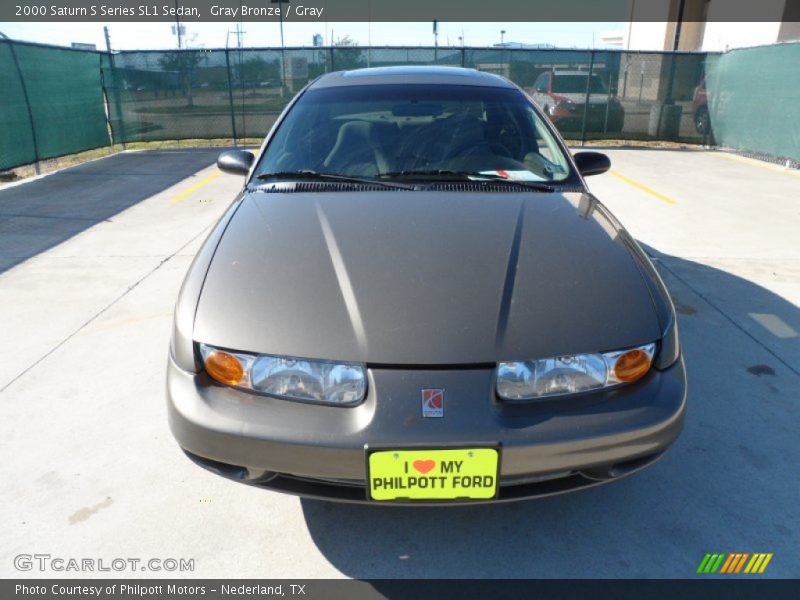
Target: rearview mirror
236,162
591,163
417,109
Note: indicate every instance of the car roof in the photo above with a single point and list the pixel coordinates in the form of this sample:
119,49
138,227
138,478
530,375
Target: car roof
557,72
411,74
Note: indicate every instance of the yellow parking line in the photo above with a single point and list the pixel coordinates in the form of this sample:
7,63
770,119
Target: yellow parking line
192,189
643,187
758,163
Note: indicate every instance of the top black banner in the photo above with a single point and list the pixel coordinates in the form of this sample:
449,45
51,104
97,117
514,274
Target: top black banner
400,10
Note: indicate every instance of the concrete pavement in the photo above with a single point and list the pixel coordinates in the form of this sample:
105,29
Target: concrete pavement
91,469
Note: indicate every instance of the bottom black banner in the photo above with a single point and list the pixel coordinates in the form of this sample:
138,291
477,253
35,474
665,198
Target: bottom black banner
418,589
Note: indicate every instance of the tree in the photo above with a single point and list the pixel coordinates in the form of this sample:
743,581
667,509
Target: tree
184,63
254,70
346,41
347,55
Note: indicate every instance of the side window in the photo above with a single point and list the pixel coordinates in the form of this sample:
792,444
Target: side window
541,83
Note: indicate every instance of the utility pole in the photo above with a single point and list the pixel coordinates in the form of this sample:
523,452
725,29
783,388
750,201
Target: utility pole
281,24
239,35
230,87
369,32
283,49
675,45
435,41
178,26
116,92
108,39
283,59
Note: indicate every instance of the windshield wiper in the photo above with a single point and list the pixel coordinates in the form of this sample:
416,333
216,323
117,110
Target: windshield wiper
470,176
307,174
536,186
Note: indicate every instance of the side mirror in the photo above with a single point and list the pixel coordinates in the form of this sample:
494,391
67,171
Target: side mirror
591,163
235,162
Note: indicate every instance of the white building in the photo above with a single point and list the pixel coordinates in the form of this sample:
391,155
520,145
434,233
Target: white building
698,28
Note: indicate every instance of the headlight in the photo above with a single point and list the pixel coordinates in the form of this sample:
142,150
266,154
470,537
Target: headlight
530,379
564,104
287,378
670,350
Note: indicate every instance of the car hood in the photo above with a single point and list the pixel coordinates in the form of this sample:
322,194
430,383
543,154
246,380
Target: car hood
424,278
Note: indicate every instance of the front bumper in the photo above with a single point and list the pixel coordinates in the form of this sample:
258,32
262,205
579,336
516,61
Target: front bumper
596,119
548,447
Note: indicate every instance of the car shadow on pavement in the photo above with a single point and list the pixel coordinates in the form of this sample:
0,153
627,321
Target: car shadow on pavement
723,487
40,214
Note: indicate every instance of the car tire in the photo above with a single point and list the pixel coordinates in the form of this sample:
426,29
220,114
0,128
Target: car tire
615,124
702,120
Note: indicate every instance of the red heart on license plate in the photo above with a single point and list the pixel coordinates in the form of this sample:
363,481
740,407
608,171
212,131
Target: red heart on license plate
423,466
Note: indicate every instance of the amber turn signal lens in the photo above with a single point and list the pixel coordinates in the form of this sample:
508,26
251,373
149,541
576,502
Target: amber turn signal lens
224,367
632,365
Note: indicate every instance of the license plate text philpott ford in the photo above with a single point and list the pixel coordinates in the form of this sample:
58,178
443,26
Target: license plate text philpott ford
451,474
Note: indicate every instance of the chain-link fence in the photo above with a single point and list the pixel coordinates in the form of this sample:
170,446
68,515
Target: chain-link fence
240,93
60,101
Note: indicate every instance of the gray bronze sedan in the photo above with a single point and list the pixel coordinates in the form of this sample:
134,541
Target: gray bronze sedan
415,299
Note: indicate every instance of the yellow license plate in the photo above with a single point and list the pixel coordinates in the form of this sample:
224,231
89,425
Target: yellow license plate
469,474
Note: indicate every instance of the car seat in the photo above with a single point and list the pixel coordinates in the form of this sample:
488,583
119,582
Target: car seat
357,151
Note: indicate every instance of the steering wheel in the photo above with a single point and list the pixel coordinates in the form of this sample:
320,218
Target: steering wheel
501,150
470,148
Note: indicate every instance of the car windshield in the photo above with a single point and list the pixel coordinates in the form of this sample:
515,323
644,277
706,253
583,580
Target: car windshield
576,84
415,131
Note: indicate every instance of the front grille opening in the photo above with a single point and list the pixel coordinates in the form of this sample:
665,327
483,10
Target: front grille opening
220,468
360,483
285,187
229,471
619,469
525,479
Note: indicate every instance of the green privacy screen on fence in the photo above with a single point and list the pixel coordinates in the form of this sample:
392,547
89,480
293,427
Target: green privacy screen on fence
52,103
754,100
16,143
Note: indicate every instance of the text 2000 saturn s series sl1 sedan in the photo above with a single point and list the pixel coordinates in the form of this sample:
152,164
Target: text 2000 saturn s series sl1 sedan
415,299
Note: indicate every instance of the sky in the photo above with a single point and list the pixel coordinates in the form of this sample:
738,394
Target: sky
158,35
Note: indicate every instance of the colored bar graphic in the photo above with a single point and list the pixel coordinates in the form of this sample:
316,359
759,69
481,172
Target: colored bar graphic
728,563
765,563
756,558
736,558
734,562
757,565
741,563
717,563
703,563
